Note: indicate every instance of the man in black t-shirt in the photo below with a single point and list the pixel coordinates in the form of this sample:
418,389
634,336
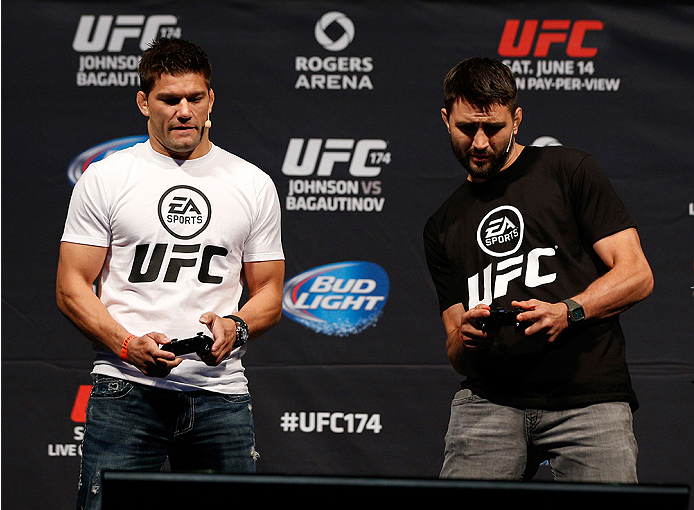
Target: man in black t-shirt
540,233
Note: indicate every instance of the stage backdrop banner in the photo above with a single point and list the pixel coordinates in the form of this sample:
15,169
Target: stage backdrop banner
339,102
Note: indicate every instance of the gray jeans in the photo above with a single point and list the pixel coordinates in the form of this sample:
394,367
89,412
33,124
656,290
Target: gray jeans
486,441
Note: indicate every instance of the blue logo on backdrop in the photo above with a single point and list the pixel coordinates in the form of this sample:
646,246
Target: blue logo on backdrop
80,163
337,299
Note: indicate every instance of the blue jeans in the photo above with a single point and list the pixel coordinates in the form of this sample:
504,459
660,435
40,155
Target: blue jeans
589,444
131,427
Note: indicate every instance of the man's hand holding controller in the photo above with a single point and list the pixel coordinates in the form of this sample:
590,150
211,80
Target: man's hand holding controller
156,355
229,332
481,324
472,337
146,353
200,344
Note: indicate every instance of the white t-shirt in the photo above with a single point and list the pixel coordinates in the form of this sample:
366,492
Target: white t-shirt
177,234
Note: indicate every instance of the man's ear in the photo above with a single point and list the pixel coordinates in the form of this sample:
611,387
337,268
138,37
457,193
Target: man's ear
444,116
142,103
517,118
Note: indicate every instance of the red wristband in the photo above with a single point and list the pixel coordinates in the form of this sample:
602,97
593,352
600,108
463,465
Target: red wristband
460,335
124,347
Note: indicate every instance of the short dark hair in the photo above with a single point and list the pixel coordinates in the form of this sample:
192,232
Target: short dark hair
174,57
481,81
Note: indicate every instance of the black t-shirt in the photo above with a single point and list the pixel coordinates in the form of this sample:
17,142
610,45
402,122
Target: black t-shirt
528,233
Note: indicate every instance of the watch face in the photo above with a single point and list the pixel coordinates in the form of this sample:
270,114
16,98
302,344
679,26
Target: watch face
578,314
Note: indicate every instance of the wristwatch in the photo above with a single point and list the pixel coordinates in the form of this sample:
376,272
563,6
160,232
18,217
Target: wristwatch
575,313
241,330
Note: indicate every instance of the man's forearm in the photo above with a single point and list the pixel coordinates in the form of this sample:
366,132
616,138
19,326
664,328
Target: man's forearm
84,309
264,306
78,266
614,293
262,311
456,352
628,280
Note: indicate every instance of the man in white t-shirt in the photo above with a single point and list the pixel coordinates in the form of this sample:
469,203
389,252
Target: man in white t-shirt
170,228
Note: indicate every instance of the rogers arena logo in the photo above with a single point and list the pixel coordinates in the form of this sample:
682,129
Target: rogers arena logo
345,24
119,36
564,51
500,232
80,163
339,299
334,31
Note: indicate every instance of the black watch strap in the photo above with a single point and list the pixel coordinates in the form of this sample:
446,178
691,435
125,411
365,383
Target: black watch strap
242,332
575,312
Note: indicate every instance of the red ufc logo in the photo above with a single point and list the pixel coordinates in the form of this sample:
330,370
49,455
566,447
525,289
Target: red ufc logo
79,408
553,31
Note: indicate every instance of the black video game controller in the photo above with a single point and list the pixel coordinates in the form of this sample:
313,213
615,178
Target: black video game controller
499,318
199,344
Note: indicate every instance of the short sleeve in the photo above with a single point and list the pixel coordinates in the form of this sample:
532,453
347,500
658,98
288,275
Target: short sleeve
87,218
265,240
597,207
439,267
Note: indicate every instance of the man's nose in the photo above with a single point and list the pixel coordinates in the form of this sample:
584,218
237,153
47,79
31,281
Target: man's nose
184,109
480,141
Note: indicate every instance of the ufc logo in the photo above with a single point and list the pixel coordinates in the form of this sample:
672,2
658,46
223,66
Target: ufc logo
321,157
91,37
495,278
552,31
181,256
79,408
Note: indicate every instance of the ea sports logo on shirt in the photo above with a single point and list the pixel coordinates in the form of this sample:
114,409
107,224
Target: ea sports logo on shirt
500,233
184,211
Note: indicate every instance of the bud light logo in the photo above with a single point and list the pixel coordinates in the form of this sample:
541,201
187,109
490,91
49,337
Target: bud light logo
80,163
337,299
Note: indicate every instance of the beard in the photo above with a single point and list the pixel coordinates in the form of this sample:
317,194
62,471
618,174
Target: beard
489,168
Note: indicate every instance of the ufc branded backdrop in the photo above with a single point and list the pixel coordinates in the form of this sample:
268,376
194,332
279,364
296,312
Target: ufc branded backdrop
339,102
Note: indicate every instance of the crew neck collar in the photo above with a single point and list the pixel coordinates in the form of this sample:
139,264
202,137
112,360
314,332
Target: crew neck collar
168,161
